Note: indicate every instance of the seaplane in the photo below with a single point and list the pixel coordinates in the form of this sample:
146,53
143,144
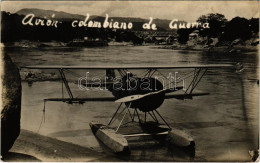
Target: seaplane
139,96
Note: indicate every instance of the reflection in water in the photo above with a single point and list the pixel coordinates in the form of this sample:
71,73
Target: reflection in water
223,124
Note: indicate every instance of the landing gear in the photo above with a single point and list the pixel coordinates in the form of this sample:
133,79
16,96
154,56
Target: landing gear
114,136
126,110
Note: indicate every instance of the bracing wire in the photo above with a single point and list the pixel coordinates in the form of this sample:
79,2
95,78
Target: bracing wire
43,117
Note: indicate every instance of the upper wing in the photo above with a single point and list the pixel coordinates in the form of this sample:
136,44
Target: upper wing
133,67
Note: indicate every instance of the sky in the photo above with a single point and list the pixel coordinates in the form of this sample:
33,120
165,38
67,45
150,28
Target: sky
182,10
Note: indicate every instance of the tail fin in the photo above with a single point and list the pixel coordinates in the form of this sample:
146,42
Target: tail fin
110,74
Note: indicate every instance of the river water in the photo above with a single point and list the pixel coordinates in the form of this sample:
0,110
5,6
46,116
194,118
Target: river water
223,124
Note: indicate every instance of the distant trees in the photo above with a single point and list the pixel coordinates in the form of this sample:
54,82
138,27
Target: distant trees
254,25
237,28
183,35
216,24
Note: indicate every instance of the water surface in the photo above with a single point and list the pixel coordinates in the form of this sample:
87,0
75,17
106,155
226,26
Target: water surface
223,124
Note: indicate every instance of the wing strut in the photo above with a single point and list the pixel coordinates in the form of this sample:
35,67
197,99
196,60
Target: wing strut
198,74
65,83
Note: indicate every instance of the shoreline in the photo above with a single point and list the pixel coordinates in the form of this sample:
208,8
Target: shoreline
31,146
218,49
185,47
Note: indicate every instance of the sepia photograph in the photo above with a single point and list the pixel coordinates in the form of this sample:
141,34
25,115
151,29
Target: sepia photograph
129,81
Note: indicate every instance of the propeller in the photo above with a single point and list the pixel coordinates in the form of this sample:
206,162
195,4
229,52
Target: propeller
140,96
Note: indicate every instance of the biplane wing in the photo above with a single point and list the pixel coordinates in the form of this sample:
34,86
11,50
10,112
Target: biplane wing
176,96
107,99
132,67
198,73
82,100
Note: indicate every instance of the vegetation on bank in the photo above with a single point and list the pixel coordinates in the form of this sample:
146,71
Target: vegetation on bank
223,30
